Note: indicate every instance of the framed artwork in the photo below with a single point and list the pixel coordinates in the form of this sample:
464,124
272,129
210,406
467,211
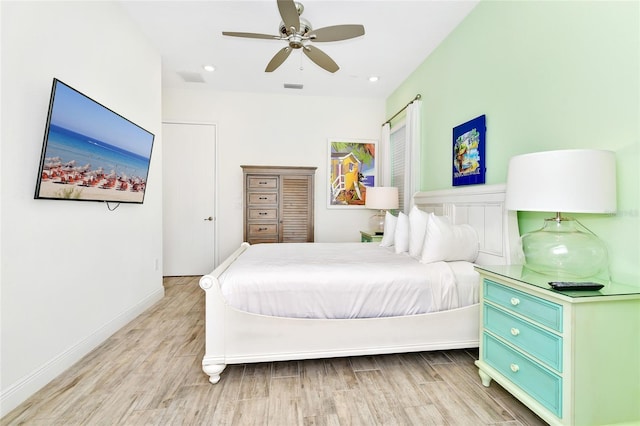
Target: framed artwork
469,161
351,170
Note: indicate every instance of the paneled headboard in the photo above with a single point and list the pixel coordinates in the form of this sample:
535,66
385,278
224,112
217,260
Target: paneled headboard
482,207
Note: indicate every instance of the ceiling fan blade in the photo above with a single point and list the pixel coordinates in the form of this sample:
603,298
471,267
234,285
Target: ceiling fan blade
320,58
278,59
251,35
337,33
289,14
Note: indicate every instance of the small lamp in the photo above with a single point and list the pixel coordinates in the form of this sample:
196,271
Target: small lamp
576,181
380,198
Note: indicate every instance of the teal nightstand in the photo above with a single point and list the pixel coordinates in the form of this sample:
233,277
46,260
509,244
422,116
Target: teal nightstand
370,237
571,357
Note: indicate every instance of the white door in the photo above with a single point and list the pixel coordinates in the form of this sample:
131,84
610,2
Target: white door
188,180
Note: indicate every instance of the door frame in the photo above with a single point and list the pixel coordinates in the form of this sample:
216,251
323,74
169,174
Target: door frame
215,178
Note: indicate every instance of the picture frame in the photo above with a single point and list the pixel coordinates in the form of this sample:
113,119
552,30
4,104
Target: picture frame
469,161
351,169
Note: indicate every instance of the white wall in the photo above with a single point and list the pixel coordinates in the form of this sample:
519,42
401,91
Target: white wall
72,272
285,130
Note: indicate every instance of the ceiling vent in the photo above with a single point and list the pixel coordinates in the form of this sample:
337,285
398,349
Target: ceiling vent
191,77
293,86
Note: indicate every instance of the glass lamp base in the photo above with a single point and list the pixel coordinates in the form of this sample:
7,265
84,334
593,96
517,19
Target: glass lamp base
563,250
376,222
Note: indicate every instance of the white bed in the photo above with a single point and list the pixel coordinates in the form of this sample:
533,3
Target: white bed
234,335
343,281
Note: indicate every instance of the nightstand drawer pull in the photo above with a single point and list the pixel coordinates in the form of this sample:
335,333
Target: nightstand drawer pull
515,331
515,301
514,368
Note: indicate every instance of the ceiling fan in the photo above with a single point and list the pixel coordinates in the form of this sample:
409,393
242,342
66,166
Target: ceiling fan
297,32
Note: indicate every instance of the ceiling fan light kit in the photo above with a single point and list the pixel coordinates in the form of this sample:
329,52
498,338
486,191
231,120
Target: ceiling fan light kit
298,33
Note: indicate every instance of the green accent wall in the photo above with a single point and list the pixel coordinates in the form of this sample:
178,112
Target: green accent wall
547,75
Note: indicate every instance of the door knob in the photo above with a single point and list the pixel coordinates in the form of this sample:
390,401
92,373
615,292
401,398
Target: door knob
209,218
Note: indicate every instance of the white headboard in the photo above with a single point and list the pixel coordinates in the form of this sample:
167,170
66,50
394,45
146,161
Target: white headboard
482,207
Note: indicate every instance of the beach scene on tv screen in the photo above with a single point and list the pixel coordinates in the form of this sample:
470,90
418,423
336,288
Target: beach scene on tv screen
93,153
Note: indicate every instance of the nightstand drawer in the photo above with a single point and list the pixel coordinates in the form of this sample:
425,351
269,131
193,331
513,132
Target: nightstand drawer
537,381
542,311
370,237
539,343
263,198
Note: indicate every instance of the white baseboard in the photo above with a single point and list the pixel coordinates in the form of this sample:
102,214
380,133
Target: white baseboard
18,392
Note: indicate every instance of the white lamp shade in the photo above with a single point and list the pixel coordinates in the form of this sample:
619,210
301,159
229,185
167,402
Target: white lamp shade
382,198
574,180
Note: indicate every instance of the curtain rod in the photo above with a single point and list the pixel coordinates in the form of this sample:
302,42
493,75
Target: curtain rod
417,98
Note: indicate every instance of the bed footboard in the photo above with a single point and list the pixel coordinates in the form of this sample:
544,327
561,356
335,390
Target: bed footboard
213,362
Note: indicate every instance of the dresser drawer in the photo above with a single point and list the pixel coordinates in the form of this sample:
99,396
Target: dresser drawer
258,182
262,240
265,214
541,344
262,229
534,379
263,198
542,311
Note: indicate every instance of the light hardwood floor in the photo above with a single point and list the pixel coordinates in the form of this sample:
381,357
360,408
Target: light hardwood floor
149,373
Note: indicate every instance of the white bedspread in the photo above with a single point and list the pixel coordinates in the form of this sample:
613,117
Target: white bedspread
344,280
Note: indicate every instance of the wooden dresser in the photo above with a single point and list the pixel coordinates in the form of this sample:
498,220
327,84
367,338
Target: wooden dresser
572,357
278,204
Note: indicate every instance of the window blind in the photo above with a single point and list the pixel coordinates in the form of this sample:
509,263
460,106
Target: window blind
398,146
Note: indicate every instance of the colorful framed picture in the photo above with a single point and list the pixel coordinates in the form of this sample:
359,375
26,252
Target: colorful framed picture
469,161
351,170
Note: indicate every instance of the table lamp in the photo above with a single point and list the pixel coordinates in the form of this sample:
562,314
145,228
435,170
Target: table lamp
381,198
574,181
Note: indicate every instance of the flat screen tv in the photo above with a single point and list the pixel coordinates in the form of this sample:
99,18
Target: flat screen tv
91,153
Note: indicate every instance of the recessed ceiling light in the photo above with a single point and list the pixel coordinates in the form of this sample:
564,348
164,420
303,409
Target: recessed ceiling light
373,78
209,68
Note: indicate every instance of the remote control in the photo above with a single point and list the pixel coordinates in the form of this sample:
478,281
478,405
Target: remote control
572,285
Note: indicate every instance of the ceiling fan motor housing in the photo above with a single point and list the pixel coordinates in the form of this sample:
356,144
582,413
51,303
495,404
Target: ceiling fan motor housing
305,27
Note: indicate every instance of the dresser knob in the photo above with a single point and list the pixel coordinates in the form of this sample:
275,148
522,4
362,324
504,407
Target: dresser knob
515,301
515,331
514,367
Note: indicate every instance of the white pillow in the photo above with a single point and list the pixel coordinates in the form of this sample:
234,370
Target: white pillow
417,229
447,242
390,222
401,238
